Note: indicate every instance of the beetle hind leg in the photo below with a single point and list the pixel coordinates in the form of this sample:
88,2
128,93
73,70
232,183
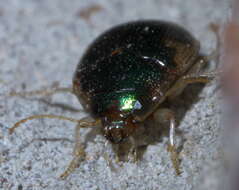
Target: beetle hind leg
190,79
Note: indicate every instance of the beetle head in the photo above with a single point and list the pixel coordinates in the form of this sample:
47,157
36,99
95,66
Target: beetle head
116,127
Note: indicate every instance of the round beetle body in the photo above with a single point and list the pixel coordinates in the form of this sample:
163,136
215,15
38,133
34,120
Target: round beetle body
125,75
128,71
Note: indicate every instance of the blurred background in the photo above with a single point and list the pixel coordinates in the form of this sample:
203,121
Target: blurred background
41,43
229,81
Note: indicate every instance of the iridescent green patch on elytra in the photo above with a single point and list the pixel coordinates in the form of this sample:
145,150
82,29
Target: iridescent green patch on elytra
127,102
130,67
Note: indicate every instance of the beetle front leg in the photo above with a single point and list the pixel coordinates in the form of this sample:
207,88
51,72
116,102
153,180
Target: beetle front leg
130,147
78,152
133,152
167,115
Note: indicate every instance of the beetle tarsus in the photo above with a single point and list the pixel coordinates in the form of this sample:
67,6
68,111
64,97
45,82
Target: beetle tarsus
79,155
175,159
162,115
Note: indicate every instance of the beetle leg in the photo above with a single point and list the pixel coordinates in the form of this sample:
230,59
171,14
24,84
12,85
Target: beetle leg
78,152
107,158
78,149
109,162
190,79
133,154
199,78
167,115
194,75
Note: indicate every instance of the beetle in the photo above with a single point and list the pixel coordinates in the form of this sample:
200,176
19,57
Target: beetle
124,77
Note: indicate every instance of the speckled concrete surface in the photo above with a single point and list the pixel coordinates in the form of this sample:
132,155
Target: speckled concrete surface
41,43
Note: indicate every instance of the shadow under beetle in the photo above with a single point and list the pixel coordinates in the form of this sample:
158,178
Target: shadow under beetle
125,75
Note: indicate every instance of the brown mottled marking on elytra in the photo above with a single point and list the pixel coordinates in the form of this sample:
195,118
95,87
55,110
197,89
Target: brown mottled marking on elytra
116,51
185,53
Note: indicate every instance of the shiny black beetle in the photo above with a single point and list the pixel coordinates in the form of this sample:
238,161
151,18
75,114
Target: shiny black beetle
124,76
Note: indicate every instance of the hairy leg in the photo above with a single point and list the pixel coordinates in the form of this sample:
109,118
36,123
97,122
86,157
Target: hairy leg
78,152
190,79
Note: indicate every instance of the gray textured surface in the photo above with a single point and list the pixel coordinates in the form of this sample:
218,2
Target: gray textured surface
40,43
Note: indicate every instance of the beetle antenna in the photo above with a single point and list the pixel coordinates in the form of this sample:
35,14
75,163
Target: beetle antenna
44,92
16,125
